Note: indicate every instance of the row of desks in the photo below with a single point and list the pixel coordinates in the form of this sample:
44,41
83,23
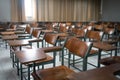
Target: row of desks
34,55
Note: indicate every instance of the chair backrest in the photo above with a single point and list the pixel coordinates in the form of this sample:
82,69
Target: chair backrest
98,27
49,26
63,28
94,35
28,29
34,24
13,26
88,27
36,33
109,31
51,38
78,47
79,24
81,32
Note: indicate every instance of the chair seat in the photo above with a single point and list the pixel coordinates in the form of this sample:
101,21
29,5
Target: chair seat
56,73
93,52
110,60
48,59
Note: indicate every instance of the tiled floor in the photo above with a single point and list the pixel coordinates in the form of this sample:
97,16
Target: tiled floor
7,72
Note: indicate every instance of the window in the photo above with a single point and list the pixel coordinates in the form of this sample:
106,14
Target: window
28,10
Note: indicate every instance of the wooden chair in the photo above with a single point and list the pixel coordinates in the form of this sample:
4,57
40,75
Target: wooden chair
94,35
109,32
80,33
63,28
110,37
56,73
12,27
88,27
98,27
51,39
80,49
35,38
49,26
25,34
34,24
79,24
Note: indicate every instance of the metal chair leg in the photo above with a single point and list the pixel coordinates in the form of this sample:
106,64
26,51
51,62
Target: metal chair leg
85,64
28,72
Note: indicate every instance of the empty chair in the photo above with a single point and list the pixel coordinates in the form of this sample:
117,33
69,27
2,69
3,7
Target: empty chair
34,24
63,28
52,40
80,33
109,32
56,73
110,37
12,27
27,33
80,49
94,35
35,37
98,27
88,27
79,24
49,26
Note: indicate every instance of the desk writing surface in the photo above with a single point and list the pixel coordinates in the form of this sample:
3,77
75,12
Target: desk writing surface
10,37
104,73
15,43
30,55
104,46
7,33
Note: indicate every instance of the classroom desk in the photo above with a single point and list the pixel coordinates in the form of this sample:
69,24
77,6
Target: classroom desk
9,37
10,30
102,46
7,33
16,43
28,57
103,73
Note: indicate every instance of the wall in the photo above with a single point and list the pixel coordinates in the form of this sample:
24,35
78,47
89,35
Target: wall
111,10
5,10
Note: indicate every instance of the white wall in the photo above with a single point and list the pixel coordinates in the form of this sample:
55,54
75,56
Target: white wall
5,10
111,10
